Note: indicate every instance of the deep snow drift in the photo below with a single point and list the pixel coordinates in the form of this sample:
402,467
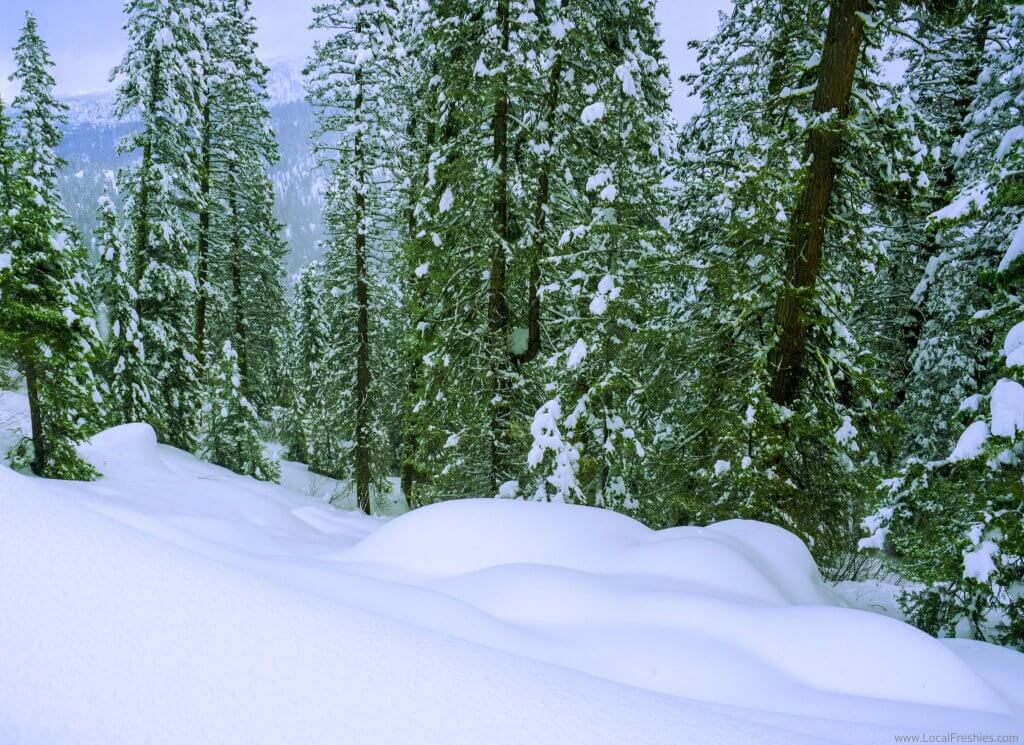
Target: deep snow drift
174,602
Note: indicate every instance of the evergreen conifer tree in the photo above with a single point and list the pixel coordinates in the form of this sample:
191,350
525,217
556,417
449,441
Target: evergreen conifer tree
954,524
349,84
233,439
786,174
240,294
944,357
598,287
114,274
158,82
49,326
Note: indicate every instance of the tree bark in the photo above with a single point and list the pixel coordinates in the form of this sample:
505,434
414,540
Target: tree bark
40,459
498,315
241,331
540,212
362,452
204,246
810,217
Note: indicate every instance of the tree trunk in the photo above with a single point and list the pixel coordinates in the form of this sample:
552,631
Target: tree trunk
540,212
809,222
141,252
362,453
498,316
947,177
410,436
203,272
41,457
410,440
241,340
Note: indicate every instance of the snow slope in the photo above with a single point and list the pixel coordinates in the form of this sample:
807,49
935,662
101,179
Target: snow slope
174,602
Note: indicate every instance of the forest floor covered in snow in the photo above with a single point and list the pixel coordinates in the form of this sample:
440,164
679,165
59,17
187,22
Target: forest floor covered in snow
174,602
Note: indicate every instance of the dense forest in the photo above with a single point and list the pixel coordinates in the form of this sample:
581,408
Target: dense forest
803,306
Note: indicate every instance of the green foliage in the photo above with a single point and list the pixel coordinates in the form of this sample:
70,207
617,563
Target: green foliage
234,435
350,84
741,168
158,82
48,328
953,524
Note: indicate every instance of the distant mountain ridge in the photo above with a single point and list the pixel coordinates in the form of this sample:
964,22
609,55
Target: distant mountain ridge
284,86
90,149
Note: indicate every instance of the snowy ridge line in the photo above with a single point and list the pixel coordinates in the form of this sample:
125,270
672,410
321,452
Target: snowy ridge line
284,86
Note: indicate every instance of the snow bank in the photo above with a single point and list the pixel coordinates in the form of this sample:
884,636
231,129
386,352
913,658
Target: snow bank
735,613
172,602
108,637
1003,669
755,561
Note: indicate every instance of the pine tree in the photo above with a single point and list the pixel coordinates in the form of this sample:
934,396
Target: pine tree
349,84
460,260
412,261
611,154
240,295
501,151
114,274
786,175
954,524
48,325
945,356
233,439
303,354
8,184
158,83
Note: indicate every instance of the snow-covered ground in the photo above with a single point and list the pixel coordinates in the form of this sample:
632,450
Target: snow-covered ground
174,602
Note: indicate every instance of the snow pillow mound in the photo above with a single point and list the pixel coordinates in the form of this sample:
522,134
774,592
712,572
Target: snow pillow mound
135,444
735,612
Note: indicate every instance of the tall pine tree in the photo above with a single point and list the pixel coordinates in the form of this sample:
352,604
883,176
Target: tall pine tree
953,524
49,327
786,176
240,295
349,84
158,83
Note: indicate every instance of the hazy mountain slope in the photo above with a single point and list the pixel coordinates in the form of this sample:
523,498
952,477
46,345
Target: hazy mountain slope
90,148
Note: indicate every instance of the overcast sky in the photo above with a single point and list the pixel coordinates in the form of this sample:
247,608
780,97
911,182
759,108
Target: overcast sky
86,39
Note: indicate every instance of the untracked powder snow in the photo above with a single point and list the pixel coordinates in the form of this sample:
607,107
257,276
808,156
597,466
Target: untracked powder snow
174,602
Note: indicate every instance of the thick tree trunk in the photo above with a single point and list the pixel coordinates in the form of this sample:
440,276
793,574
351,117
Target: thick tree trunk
203,273
810,217
363,403
498,315
40,460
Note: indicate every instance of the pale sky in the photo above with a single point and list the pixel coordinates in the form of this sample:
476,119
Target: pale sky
86,39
